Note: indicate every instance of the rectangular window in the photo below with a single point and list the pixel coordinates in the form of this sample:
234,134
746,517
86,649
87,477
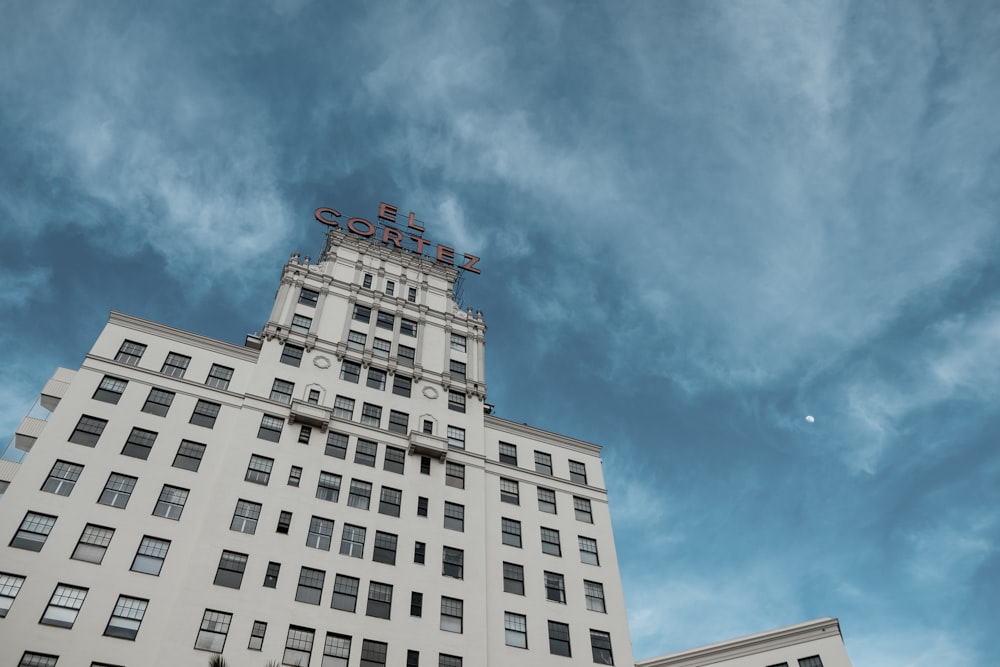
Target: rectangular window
419,552
62,478
272,574
126,617
555,587
425,461
350,371
245,517
411,295
310,588
371,415
456,401
511,532
158,402
213,631
508,453
175,365
515,630
453,562
811,661
399,422
546,500
336,650
33,532
352,542
416,604
343,407
451,614
284,522
385,320
320,533
328,487
305,432
336,445
550,542
402,385
292,354
362,313
390,501
421,506
10,586
270,428
281,391
356,340
456,369
385,548
360,495
600,646
232,565
373,653
543,463
365,453
594,592
189,455
582,508
139,443
367,281
257,636
381,348
454,516
405,355
294,476
559,639
298,646
588,551
509,492
395,460
345,593
130,353
408,328
308,297
259,470
219,376
117,490
301,324
205,414
513,578
150,556
577,472
313,396
170,504
88,431
32,659
458,342
456,437
445,660
376,379
110,390
93,543
454,475
64,606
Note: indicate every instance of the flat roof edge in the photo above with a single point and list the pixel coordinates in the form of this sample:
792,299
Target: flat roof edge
180,335
515,428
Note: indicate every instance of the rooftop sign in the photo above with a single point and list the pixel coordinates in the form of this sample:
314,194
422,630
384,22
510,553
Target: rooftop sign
413,240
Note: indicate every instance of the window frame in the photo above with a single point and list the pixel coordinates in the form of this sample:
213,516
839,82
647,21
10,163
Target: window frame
88,430
33,526
171,500
110,389
127,610
513,578
219,377
291,354
189,455
64,606
93,543
175,365
205,413
130,353
149,555
123,487
62,478
231,568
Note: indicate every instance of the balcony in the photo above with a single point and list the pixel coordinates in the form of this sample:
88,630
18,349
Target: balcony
56,388
311,414
7,471
425,444
28,432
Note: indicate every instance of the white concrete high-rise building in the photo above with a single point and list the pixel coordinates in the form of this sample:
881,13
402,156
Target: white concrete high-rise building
333,492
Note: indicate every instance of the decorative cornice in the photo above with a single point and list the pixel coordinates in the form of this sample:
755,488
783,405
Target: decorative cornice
181,336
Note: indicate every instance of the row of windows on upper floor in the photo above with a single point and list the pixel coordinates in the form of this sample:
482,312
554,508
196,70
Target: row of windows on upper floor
543,463
175,365
360,313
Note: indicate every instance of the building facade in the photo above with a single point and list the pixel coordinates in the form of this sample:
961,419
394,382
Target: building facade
813,644
334,492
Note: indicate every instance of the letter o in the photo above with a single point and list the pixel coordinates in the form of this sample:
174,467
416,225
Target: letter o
351,226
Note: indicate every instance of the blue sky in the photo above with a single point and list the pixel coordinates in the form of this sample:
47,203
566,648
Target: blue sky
699,222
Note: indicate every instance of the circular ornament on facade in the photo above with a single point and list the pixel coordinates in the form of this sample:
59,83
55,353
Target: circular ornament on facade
321,362
430,392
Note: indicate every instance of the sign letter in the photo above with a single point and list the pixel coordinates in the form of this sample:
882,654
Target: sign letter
327,221
388,233
446,255
411,224
352,225
471,264
387,212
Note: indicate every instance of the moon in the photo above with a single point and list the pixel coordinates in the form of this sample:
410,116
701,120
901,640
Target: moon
810,419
